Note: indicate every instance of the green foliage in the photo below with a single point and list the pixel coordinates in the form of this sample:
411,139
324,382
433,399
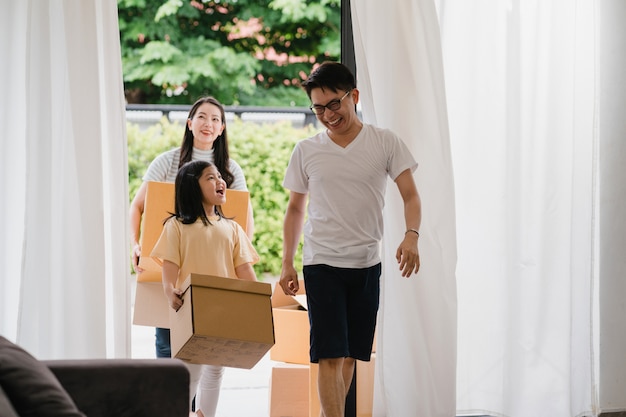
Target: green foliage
262,150
246,52
144,146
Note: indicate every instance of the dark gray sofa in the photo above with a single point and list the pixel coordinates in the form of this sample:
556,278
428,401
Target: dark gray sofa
90,387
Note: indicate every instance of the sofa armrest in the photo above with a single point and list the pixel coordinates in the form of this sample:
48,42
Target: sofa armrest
125,387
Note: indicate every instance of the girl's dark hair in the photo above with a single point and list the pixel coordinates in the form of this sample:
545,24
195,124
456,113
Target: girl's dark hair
330,75
188,195
220,146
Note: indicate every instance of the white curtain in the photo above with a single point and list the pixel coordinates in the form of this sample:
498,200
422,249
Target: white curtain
520,79
520,87
400,76
64,280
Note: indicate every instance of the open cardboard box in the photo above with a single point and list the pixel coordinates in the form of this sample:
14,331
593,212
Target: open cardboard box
223,321
291,324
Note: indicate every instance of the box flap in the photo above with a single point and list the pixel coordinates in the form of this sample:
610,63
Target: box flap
301,299
280,299
223,283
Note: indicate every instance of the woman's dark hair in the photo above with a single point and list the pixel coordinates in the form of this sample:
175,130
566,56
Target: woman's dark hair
220,146
330,75
188,195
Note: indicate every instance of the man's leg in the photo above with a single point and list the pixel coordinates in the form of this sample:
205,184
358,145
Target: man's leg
333,383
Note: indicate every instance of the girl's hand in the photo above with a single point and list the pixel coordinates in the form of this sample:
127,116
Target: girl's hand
174,297
169,275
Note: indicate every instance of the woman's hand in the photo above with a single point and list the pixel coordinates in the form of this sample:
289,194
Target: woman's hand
135,256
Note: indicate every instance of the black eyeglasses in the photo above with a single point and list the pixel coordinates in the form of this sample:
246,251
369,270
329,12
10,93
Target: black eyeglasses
333,105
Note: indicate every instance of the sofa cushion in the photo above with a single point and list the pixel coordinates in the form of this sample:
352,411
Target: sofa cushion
125,387
6,408
30,386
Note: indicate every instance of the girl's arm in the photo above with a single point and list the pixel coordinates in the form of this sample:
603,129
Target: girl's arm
246,271
173,294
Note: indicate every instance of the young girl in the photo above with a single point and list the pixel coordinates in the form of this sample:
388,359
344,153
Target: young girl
198,238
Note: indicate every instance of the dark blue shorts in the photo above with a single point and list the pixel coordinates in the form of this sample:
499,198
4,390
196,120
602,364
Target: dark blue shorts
342,304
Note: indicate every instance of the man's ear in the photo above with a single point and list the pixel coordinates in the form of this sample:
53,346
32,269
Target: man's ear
355,95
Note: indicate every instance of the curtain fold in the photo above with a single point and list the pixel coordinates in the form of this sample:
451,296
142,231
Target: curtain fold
69,261
13,123
400,76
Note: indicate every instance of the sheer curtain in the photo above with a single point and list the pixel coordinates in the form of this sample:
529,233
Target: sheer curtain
400,76
521,97
64,286
522,103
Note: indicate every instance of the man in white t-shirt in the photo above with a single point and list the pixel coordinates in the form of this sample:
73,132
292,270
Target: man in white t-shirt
342,173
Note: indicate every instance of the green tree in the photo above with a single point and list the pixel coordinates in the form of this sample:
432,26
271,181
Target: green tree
243,52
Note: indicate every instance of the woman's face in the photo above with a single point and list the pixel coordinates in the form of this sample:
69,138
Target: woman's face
213,187
206,125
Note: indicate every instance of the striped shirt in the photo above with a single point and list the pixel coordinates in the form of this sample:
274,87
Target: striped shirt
165,167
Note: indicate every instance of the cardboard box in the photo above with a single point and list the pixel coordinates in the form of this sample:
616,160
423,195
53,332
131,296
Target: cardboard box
314,399
289,390
151,306
364,388
291,324
223,321
158,206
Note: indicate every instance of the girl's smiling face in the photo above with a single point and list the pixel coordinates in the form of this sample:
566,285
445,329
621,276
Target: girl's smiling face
206,125
213,189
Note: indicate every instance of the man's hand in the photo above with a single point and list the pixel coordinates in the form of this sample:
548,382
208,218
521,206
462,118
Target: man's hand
408,256
289,280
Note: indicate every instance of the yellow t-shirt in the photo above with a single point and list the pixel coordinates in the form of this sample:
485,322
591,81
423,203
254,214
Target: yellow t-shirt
214,249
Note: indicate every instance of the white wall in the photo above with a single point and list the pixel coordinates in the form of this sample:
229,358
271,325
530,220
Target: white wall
612,181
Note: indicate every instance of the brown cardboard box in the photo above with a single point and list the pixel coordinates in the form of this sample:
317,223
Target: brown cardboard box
223,321
289,390
364,388
158,206
291,324
151,307
314,399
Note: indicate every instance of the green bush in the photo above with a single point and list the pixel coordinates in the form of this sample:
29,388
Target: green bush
263,152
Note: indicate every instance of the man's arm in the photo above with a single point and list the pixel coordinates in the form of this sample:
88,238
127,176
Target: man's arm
407,254
292,230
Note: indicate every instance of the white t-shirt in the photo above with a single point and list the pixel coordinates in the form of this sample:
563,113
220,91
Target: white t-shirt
346,188
165,167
